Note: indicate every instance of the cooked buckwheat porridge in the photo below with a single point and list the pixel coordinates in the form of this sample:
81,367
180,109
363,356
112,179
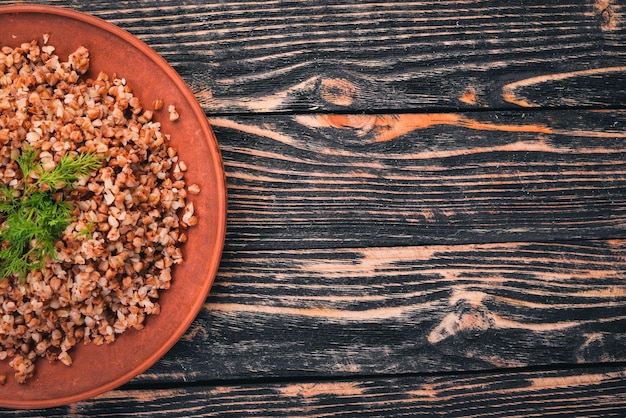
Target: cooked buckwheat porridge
121,217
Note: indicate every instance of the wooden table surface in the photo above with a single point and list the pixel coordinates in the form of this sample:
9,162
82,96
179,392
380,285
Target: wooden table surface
427,208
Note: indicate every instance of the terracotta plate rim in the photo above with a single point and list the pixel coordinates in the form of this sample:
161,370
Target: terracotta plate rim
219,197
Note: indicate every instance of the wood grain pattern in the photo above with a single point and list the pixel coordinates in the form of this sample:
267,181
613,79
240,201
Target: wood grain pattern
586,392
259,56
427,208
325,181
368,311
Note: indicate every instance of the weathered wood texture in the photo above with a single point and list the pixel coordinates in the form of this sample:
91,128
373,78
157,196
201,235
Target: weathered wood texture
326,181
586,392
367,311
423,197
277,56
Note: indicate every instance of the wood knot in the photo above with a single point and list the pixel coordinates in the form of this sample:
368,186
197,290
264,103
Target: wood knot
468,321
474,320
338,91
600,347
606,15
469,96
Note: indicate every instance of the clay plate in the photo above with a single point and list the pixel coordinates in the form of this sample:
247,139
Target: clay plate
97,369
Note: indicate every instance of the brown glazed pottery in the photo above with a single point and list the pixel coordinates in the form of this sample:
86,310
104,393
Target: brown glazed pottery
97,369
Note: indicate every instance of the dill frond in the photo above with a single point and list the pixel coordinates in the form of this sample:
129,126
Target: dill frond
26,161
70,168
34,220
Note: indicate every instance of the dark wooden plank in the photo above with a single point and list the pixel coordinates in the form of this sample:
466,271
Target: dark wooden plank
327,181
368,311
376,244
259,56
597,392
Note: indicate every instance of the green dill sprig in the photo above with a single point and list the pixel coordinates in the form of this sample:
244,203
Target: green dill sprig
35,218
70,168
87,232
